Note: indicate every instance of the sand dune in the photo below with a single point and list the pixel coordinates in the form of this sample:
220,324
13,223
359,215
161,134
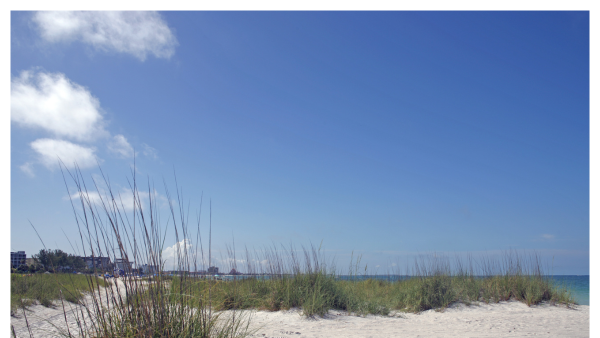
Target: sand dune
46,322
506,319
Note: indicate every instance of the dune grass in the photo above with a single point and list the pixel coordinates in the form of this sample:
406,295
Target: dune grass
186,306
435,285
26,290
132,307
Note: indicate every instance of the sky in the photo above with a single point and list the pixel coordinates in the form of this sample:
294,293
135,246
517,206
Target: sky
381,134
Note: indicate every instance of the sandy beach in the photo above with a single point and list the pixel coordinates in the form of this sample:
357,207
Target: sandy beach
46,322
506,319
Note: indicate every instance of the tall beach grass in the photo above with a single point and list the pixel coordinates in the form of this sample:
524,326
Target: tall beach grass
108,225
29,289
276,278
290,280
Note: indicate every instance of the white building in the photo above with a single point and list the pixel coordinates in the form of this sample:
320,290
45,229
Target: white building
149,269
97,262
123,264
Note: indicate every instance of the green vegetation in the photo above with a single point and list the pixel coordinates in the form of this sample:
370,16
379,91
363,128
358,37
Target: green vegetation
186,306
136,307
57,260
317,292
150,309
41,288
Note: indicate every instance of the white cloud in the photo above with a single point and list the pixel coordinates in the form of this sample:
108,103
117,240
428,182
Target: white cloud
121,147
53,103
547,237
160,200
170,254
92,197
50,151
149,151
126,196
123,199
27,168
135,33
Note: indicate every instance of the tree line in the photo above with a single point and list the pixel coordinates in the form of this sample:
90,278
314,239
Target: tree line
54,261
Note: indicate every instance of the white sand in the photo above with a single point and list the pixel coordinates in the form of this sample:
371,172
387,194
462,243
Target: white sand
507,319
47,322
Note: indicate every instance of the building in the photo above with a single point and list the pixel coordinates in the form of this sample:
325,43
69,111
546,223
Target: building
97,262
213,269
149,269
17,259
123,264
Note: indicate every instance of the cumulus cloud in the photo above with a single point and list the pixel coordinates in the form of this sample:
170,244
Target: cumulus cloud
123,199
53,103
126,196
50,151
126,201
27,168
120,146
170,254
547,237
135,33
91,197
149,151
67,111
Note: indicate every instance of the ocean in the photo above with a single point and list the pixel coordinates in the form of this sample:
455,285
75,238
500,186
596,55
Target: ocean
579,286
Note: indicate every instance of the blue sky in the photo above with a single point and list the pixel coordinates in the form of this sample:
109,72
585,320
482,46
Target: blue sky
384,133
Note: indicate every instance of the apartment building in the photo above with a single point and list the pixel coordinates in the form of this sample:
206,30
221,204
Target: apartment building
123,264
98,262
17,259
149,269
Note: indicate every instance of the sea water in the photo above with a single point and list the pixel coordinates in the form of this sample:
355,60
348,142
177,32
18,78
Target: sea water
578,285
